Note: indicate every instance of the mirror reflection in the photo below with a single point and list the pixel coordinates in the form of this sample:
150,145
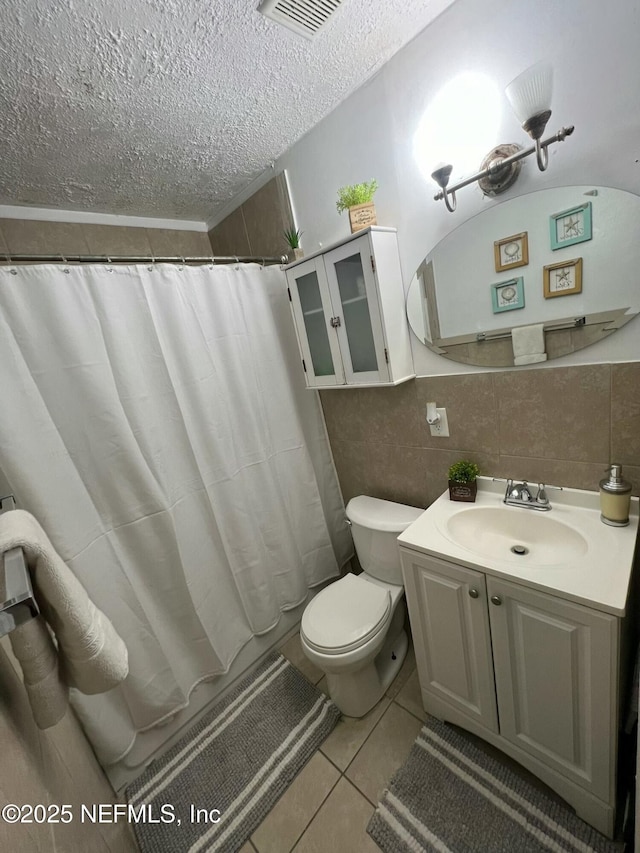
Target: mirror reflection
531,279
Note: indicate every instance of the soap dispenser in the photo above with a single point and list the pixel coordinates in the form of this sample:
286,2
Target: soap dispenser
615,498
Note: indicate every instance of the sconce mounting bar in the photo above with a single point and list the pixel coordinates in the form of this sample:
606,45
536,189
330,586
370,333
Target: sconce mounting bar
501,163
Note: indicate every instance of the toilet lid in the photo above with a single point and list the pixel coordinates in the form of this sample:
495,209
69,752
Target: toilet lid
345,615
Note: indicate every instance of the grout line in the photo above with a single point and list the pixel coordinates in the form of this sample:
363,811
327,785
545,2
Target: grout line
315,814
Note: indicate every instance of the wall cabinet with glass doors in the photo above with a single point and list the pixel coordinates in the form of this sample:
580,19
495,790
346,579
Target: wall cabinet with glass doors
348,309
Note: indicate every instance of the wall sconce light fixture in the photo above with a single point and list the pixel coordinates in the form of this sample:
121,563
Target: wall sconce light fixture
530,98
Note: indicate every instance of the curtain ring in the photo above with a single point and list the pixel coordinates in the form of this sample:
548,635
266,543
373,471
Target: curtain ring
153,260
109,269
237,262
64,261
181,267
212,262
13,271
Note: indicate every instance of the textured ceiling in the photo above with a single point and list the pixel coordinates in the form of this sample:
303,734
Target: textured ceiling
171,107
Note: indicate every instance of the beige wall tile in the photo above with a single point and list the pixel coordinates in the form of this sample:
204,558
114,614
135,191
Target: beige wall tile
229,237
391,415
288,819
165,241
52,766
344,414
340,825
116,240
558,425
561,413
397,473
3,244
625,413
437,463
267,214
556,472
472,411
22,762
29,236
351,459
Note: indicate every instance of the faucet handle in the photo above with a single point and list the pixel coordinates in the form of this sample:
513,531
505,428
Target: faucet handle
541,497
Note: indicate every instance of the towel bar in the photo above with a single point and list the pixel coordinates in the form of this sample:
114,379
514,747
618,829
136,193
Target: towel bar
16,594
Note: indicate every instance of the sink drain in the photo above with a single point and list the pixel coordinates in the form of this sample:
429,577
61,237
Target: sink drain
520,550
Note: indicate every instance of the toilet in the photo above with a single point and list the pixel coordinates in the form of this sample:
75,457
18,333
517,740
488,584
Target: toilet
353,629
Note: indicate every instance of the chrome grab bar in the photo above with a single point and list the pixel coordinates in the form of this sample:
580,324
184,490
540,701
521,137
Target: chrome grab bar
17,604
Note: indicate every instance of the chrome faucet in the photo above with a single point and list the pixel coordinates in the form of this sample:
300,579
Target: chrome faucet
520,494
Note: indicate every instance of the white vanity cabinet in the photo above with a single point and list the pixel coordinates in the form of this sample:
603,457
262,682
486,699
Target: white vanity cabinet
532,673
348,308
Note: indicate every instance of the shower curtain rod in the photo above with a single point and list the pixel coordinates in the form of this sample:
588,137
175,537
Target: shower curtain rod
9,258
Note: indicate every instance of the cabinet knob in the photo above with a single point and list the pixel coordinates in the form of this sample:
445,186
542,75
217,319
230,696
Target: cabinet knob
335,322
474,593
495,599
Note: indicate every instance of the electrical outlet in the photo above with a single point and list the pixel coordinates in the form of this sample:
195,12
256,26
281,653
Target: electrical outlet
441,428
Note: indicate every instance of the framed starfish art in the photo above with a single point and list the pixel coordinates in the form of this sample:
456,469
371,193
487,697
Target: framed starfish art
570,226
563,279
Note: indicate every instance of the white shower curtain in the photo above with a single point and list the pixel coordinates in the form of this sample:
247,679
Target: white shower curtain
153,420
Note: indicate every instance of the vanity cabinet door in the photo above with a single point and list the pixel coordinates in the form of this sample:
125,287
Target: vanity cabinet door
450,626
555,671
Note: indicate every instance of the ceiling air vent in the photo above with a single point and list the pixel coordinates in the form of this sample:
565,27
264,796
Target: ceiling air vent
304,17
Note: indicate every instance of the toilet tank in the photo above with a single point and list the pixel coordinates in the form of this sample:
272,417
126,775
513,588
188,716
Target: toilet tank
375,525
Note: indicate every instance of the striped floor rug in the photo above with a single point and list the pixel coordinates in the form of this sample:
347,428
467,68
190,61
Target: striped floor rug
452,796
216,785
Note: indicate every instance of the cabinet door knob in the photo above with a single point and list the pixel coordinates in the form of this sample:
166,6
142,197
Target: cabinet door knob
495,599
474,593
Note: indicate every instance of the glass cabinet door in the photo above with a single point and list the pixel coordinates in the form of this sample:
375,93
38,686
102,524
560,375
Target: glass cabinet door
313,313
355,299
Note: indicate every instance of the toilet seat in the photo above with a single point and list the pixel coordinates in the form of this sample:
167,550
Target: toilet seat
345,615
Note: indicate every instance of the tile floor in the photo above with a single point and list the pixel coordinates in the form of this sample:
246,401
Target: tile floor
330,802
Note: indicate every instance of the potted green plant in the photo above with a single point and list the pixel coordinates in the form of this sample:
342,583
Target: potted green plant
292,236
358,200
462,481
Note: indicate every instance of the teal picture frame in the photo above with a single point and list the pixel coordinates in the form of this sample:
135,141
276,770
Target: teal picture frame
507,295
571,226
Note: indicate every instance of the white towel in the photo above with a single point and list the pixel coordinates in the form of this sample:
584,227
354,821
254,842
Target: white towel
528,344
91,656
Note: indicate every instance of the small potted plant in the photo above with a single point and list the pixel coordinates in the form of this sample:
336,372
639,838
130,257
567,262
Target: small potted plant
292,236
357,199
462,481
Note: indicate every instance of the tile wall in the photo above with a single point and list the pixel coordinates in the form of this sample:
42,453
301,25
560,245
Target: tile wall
30,236
256,227
561,426
55,766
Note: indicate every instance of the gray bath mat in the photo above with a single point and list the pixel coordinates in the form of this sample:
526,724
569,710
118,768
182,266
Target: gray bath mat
233,765
452,796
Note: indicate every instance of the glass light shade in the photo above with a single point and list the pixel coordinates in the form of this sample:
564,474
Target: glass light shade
530,93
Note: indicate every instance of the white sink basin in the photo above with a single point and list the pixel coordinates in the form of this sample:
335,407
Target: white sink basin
528,537
567,550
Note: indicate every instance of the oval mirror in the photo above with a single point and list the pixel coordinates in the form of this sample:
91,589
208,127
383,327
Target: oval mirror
533,278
